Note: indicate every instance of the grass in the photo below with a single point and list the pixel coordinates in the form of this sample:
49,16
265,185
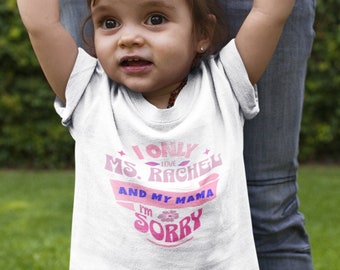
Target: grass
36,209
35,220
320,200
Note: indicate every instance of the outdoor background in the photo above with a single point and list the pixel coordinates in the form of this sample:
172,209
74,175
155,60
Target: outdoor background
31,135
36,152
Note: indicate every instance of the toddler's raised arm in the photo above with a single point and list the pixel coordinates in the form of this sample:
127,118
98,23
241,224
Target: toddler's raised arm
53,45
260,33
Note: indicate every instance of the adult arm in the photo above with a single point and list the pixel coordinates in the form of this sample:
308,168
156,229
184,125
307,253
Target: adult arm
260,33
54,47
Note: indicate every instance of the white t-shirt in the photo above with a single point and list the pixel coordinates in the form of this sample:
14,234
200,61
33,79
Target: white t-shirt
161,188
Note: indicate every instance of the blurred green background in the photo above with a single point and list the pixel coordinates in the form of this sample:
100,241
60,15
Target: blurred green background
31,135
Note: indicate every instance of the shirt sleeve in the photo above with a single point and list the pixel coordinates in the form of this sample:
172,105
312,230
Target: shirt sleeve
82,72
244,91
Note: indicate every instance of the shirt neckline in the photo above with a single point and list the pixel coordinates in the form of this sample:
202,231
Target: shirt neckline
151,113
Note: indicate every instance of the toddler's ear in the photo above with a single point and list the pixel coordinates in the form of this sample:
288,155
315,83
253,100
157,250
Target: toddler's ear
205,38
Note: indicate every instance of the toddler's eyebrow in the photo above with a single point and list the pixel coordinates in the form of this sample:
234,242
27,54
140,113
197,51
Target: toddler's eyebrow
158,4
161,4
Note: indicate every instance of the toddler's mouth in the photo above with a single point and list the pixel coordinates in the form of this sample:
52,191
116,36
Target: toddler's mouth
134,62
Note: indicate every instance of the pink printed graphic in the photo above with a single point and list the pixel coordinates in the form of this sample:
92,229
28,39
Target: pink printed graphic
168,216
129,193
170,234
184,163
152,163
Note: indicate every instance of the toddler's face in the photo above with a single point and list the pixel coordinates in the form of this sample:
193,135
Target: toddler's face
146,45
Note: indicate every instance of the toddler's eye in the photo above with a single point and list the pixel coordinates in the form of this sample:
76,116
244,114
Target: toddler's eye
110,23
156,20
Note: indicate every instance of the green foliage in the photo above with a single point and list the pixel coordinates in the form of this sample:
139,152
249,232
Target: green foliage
30,131
320,134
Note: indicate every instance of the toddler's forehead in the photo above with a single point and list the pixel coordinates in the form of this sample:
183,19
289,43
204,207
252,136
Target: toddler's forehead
155,3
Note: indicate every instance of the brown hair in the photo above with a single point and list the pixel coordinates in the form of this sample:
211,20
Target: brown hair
201,14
